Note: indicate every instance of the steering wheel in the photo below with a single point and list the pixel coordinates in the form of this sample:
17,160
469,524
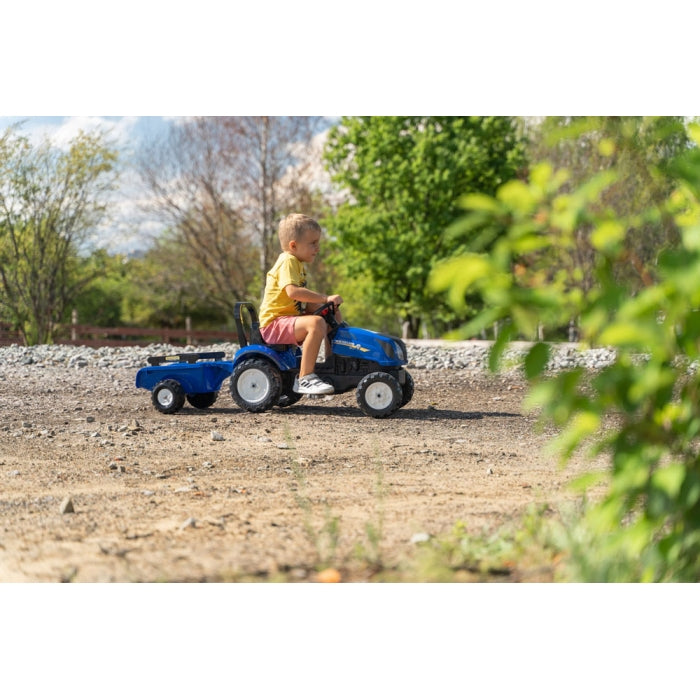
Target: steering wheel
327,310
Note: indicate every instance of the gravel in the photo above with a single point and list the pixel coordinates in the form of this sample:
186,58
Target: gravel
421,355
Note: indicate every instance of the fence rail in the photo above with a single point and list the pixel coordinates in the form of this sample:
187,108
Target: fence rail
98,336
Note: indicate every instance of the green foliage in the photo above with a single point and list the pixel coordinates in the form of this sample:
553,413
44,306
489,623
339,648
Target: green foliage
529,549
50,202
168,285
100,302
644,409
403,176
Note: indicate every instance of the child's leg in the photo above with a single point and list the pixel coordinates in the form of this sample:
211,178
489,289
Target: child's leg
311,330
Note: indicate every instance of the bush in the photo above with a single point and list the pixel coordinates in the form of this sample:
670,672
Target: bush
646,526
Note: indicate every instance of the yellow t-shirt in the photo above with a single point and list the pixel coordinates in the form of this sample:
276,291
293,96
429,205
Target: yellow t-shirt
276,302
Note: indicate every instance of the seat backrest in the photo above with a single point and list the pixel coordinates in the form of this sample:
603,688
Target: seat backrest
253,335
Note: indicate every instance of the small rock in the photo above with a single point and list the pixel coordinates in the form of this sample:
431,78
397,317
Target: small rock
190,522
67,505
489,471
329,576
216,437
419,537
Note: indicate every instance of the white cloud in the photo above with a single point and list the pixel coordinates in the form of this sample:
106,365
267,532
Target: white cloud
120,128
127,228
61,130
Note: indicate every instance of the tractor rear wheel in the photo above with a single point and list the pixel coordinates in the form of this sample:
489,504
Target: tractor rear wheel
256,385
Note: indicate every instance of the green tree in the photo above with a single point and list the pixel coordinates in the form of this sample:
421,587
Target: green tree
100,302
167,285
643,409
51,200
402,177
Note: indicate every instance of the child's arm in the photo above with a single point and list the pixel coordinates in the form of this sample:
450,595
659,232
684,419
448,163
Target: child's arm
311,298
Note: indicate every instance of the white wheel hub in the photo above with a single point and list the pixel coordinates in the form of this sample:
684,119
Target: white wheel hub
253,385
165,397
379,396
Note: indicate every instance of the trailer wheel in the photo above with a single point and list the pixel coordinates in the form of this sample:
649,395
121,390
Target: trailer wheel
168,396
203,401
256,385
379,394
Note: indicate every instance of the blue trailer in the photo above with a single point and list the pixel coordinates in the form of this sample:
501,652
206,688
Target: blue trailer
195,377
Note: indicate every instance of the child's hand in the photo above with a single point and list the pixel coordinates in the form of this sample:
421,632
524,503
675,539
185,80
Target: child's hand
335,299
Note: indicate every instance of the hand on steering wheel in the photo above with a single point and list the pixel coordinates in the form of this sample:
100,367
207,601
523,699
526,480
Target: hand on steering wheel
327,310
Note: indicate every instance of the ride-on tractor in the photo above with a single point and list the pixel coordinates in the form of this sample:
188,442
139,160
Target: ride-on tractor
262,375
369,362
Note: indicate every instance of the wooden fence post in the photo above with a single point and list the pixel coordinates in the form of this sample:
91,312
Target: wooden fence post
73,324
188,329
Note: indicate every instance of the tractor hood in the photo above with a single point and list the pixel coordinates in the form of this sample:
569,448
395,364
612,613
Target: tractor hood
369,345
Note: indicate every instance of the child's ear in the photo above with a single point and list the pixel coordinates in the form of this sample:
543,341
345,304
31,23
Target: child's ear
292,246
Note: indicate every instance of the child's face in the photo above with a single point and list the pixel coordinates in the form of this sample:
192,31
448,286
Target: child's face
307,246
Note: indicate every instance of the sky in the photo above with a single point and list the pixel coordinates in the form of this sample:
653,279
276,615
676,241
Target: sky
127,230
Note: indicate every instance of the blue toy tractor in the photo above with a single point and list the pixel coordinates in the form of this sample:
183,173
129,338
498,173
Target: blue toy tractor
369,362
262,375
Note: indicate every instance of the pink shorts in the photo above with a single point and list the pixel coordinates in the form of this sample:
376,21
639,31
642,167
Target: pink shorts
280,331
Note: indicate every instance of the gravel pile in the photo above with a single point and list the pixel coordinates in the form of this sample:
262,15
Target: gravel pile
472,356
475,356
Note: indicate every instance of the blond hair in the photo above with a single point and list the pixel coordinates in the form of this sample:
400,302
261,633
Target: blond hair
293,227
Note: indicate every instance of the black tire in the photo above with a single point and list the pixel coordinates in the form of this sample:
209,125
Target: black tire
288,395
203,401
167,396
256,385
379,395
407,389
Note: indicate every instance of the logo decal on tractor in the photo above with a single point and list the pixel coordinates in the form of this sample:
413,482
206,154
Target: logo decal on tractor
353,346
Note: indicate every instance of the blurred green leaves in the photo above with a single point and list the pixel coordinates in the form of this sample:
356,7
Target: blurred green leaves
643,410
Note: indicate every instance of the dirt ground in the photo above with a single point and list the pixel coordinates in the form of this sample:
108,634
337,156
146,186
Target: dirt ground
225,495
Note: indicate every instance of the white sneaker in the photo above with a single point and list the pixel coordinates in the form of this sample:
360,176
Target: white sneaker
311,384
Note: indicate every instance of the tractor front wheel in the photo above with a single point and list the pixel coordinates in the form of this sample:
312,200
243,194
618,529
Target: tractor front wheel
379,395
407,389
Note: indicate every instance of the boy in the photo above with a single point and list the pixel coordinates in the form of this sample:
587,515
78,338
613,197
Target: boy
286,311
